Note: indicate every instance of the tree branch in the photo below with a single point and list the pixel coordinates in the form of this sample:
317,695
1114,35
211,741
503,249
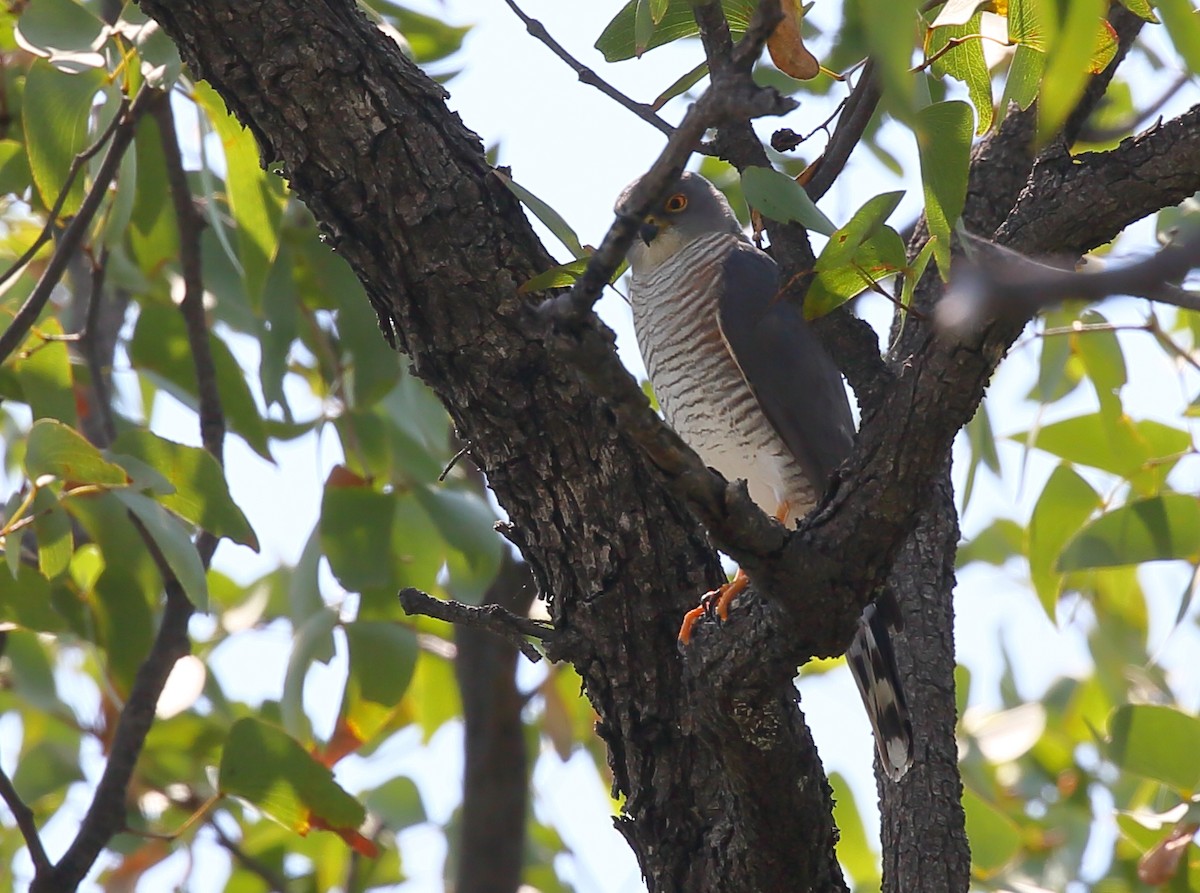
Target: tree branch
191,224
494,618
24,818
106,815
495,774
73,235
588,76
997,282
851,125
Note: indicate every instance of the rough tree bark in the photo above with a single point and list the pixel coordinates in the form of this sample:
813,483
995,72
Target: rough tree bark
723,788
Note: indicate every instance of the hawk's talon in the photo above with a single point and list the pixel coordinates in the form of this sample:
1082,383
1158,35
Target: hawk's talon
719,599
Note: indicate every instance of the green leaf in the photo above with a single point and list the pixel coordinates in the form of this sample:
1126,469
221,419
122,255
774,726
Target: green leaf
59,450
779,197
201,494
1024,77
543,212
964,62
173,541
154,234
397,803
890,27
383,657
1032,23
558,276
944,144
55,541
313,641
255,198
14,167
467,523
1068,64
1101,353
356,535
376,366
429,38
1157,529
865,223
267,768
55,110
160,345
995,838
25,600
658,10
45,376
1067,501
1183,25
64,33
995,544
680,85
643,27
433,697
877,259
1157,742
1087,440
1142,9
854,849
619,42
304,591
160,62
982,441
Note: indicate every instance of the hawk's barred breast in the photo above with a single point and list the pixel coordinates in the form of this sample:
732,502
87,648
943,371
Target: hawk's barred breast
693,372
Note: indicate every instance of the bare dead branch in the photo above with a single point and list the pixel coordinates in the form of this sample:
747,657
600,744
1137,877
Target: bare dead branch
588,76
73,235
494,618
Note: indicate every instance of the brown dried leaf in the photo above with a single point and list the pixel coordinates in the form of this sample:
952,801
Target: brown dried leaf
786,46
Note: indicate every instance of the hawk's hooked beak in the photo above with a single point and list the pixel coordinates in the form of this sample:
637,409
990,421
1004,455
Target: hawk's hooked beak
648,230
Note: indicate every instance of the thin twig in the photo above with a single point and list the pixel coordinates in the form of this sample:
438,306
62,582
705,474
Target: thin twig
1088,135
87,343
276,882
24,816
587,75
191,224
73,234
453,461
494,618
77,164
860,107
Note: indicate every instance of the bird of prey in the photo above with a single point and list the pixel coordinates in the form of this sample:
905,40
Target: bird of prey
742,379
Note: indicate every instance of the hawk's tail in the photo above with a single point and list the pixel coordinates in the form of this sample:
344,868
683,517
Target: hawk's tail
873,663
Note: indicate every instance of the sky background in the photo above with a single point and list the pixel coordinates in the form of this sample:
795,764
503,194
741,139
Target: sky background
576,149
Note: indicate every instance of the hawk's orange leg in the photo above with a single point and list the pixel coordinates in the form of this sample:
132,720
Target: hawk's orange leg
722,597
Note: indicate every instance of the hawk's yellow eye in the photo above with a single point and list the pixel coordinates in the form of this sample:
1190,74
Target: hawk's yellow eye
676,203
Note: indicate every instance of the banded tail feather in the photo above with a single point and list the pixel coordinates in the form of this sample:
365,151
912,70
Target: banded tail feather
873,664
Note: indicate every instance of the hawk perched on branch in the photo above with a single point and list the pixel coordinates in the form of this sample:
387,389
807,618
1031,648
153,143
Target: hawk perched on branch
743,380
